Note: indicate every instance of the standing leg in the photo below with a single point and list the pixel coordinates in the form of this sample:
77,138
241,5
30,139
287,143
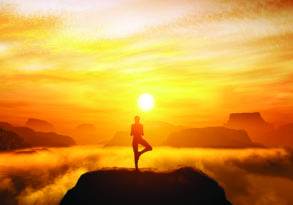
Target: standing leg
147,146
136,154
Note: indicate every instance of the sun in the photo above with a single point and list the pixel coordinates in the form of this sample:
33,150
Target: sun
146,102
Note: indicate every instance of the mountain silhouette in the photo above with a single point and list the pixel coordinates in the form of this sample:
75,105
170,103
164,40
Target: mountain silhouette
156,133
261,131
86,134
121,138
32,138
122,186
10,140
216,137
39,125
252,123
281,136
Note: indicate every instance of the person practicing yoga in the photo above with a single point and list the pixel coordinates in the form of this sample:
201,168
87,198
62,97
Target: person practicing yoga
137,134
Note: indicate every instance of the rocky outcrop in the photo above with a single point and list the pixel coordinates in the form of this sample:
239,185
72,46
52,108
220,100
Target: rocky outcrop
33,138
10,140
121,186
216,137
39,125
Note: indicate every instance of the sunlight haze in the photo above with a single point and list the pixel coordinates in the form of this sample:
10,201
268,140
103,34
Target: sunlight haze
200,59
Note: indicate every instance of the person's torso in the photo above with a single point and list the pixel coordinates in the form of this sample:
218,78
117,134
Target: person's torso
137,130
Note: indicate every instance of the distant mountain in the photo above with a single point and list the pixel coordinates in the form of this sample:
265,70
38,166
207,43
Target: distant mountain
252,123
161,133
10,140
246,118
216,137
86,134
282,136
122,186
120,138
39,125
34,138
86,127
155,133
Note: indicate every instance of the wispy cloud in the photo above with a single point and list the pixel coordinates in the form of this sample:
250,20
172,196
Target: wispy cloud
220,56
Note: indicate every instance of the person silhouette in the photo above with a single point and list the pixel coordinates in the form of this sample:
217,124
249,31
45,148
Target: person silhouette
137,134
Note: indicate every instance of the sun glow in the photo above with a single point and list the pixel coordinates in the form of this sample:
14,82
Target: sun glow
146,102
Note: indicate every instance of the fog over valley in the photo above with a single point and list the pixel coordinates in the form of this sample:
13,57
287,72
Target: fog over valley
249,176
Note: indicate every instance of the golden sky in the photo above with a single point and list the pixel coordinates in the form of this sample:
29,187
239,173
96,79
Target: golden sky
86,61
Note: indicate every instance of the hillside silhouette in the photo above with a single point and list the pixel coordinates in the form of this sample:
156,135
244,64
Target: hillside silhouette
215,137
33,138
122,186
253,123
89,132
155,132
261,131
281,136
10,140
39,125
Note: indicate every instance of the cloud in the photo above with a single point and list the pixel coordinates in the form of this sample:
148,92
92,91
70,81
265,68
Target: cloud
209,57
44,176
16,27
276,165
12,104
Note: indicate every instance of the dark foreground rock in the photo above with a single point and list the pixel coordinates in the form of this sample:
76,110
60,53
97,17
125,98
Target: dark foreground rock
182,186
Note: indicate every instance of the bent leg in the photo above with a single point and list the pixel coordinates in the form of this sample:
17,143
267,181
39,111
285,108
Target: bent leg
147,146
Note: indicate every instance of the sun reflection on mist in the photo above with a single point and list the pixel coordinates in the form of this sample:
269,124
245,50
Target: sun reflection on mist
46,174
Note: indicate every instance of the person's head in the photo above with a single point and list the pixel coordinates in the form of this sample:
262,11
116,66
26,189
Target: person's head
136,119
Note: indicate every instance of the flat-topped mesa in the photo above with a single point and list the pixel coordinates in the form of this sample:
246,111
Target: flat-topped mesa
246,118
252,123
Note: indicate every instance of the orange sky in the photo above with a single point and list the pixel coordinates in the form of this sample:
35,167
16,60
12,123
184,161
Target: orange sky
85,61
